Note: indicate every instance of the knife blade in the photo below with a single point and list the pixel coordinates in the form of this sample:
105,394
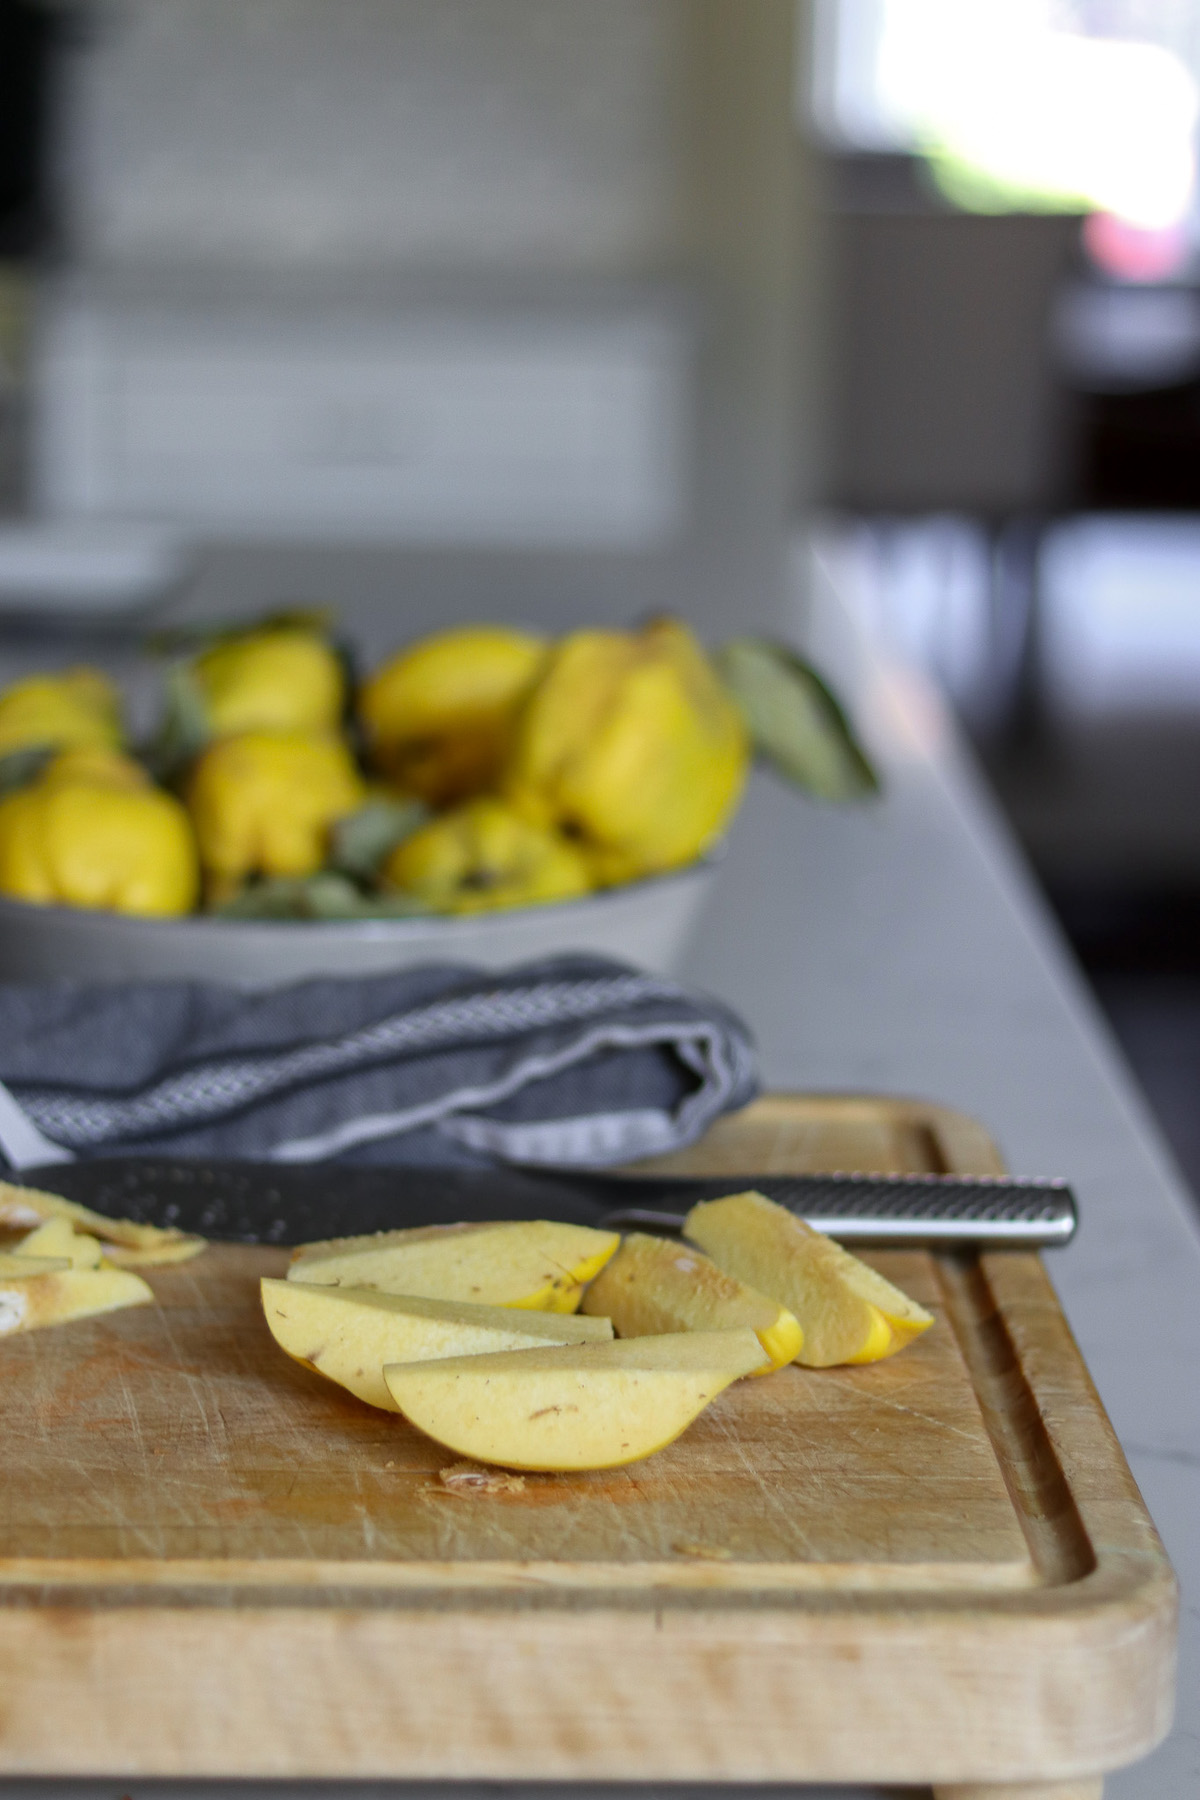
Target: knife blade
279,1203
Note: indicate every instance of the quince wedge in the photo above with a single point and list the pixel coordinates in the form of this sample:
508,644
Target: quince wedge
630,744
438,718
347,1334
58,1238
28,1302
655,1285
126,1243
848,1312
581,1406
537,1264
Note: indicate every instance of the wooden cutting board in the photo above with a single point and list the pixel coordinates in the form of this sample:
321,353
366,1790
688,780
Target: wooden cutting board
936,1569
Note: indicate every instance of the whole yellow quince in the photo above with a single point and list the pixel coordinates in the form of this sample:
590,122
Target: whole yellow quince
631,745
482,856
93,832
90,765
80,706
262,804
282,678
438,718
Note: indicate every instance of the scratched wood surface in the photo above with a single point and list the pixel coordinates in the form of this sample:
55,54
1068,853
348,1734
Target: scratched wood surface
214,1562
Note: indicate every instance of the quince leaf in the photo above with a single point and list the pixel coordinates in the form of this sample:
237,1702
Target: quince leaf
360,842
184,730
18,768
325,896
794,719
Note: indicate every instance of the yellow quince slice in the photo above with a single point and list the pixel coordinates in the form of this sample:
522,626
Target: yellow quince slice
581,1406
347,1334
534,1263
848,1312
28,1302
656,1285
125,1242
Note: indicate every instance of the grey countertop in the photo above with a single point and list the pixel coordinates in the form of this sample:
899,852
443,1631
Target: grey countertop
900,947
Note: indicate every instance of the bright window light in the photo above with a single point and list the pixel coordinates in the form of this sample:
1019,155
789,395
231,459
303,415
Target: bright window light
1016,103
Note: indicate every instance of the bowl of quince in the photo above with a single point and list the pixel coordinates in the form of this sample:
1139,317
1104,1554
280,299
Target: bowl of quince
486,793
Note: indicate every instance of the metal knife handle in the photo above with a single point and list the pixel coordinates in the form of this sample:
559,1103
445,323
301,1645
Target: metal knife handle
938,1211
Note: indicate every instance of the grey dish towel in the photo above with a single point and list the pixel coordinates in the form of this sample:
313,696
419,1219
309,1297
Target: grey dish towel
569,1060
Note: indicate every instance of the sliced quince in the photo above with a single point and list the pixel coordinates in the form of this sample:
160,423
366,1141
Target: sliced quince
583,1406
58,1238
848,1312
656,1285
125,1242
534,1263
29,1302
347,1334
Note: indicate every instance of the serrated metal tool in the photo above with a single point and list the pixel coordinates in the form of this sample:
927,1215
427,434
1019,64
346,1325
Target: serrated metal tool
279,1203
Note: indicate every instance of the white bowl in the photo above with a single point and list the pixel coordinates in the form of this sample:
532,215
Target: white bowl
645,922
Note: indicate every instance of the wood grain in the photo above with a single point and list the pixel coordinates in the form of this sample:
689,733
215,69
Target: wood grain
934,1569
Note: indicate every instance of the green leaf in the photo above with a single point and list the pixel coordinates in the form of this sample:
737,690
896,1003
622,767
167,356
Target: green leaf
325,896
794,719
360,843
184,730
20,767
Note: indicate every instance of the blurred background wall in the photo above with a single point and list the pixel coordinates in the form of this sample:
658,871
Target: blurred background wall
497,297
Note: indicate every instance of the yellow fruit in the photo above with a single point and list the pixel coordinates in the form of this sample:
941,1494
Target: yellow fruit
533,1263
438,718
482,856
848,1312
630,744
282,678
96,842
654,1285
30,1301
262,803
57,1238
22,1208
348,1333
80,706
584,1406
93,766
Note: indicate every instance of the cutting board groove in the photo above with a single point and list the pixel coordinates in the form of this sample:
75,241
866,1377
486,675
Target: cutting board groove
938,1568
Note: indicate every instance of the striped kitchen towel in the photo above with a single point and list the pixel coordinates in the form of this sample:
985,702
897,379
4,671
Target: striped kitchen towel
571,1060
